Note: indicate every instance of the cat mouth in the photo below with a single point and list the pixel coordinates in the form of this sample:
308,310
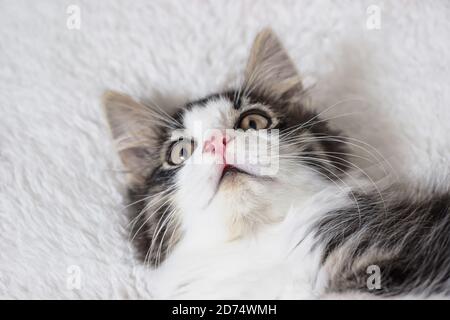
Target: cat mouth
230,170
227,171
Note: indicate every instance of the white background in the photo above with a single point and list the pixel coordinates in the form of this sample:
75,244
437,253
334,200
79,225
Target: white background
61,189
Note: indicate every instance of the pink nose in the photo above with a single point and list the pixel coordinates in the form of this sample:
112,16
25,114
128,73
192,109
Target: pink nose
216,144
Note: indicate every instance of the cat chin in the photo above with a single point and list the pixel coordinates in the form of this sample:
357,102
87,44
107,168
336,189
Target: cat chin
233,183
244,203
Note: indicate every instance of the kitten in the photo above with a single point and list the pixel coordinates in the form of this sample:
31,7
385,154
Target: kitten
295,226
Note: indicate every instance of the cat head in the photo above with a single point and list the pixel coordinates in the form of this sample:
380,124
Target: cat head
224,166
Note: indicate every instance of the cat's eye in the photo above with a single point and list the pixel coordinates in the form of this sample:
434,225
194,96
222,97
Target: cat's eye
180,151
256,120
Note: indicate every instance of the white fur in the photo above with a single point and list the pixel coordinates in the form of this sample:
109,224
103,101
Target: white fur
277,262
61,189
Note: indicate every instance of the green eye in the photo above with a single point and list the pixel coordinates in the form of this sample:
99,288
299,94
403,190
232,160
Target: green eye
255,121
180,151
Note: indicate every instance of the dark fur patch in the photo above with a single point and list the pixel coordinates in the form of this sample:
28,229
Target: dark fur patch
231,95
150,225
413,237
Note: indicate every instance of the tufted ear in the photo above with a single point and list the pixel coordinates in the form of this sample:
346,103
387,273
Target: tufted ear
270,71
134,132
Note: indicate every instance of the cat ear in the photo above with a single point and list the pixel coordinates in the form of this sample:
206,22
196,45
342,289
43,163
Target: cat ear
133,130
270,71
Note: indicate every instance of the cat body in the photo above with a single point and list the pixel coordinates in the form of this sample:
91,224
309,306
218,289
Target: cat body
304,223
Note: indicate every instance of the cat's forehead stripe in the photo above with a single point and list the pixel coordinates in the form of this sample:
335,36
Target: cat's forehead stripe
229,95
206,110
233,96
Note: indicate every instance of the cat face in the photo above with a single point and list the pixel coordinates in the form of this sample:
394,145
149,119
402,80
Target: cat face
226,165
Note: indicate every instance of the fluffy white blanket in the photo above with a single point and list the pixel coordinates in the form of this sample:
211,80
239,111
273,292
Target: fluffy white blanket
62,226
